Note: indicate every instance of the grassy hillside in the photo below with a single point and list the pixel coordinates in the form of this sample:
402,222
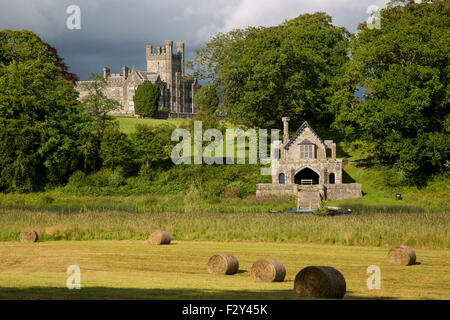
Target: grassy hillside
127,124
380,184
229,188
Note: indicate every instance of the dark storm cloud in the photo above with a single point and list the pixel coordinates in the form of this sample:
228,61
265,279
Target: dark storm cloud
114,33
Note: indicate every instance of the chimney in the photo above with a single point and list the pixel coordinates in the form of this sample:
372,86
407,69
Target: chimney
125,72
285,129
106,72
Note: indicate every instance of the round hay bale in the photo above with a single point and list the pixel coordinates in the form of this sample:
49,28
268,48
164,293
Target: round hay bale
159,237
223,264
268,270
320,282
28,235
401,256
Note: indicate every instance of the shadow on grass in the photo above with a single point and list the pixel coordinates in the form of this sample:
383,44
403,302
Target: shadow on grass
346,178
104,293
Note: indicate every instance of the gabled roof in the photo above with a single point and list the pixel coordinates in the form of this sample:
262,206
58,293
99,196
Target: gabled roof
148,76
299,131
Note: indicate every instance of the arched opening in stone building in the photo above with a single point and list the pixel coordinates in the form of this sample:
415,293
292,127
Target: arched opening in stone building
307,177
331,178
281,178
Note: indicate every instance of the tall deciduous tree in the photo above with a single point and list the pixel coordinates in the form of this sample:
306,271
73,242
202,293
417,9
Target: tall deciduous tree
264,73
39,138
207,104
97,105
403,68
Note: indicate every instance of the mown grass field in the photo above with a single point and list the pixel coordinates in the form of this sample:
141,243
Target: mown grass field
137,270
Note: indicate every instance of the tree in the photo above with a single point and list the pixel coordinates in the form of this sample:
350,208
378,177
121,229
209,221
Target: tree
207,103
40,139
146,99
403,68
263,73
116,151
152,144
97,105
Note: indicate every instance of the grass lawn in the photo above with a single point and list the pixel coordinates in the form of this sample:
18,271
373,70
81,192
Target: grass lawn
127,124
137,270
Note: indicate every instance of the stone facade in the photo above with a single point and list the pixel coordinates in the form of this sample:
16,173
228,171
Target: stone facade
163,68
306,171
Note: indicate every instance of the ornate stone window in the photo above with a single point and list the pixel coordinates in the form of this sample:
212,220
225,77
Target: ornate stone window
281,178
307,150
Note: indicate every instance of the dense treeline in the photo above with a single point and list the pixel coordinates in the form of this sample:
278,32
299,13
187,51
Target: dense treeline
263,73
41,136
403,118
306,68
46,134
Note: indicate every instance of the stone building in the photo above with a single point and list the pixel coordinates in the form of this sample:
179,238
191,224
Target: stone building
163,68
308,169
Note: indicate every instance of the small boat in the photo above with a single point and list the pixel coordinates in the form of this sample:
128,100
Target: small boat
301,211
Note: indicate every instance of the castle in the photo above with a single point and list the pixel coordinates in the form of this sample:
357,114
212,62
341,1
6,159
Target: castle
306,171
163,68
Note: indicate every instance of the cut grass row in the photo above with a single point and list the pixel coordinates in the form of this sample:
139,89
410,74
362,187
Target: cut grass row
374,229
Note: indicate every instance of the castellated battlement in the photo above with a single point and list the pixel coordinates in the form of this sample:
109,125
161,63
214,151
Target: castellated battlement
165,50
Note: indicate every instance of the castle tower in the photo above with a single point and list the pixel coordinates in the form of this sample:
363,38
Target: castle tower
148,51
170,68
106,72
169,72
180,51
125,72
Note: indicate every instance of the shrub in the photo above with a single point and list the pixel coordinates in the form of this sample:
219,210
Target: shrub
47,199
77,179
152,143
116,151
106,178
213,190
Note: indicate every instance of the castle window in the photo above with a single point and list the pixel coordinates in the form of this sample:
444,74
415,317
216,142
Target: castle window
307,151
331,178
281,178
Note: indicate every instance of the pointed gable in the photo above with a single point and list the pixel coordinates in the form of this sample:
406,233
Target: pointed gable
148,76
299,131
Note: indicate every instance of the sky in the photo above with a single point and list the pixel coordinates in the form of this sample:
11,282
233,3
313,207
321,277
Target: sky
113,33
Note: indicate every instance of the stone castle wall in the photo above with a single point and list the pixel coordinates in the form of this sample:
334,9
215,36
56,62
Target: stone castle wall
331,192
163,68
